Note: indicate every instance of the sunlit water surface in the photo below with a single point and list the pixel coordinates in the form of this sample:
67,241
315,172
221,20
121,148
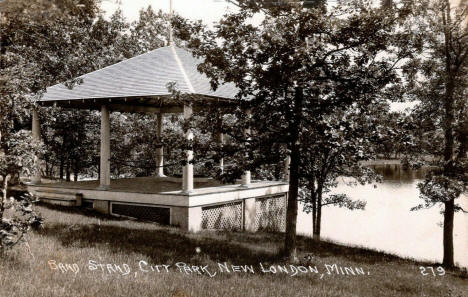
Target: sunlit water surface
387,224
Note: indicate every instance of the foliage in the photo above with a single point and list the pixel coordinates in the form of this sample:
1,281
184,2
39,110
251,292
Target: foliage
49,42
21,218
336,151
437,79
16,214
293,71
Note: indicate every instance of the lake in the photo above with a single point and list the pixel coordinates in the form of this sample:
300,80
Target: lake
387,224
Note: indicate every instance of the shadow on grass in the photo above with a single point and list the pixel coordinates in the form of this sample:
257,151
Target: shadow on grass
161,244
164,244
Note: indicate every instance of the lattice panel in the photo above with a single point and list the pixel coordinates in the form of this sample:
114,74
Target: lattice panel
271,213
155,214
226,216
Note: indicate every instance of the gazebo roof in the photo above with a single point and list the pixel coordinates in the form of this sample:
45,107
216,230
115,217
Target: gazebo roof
140,83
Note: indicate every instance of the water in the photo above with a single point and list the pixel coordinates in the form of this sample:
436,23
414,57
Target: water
387,224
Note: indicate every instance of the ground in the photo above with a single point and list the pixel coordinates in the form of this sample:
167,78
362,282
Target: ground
75,237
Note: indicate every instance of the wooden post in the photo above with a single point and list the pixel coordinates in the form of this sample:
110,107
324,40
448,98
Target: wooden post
104,182
246,178
160,150
36,134
187,181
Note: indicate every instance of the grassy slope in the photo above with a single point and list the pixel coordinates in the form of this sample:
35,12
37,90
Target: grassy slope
75,236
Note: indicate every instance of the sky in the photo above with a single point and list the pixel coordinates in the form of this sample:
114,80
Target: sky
207,10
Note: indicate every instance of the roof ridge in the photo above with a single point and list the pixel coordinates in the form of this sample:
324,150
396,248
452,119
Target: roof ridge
182,69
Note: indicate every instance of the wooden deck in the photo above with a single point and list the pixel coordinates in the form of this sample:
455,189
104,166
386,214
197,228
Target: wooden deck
153,185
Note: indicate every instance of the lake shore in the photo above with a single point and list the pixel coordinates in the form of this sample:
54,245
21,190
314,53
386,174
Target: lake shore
79,253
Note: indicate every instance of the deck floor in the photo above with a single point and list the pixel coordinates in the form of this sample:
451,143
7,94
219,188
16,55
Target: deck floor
136,185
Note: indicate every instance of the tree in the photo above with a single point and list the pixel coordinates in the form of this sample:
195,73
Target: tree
336,150
438,79
40,45
16,213
398,134
150,31
296,68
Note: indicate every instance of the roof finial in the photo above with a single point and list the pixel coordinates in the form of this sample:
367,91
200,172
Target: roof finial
171,12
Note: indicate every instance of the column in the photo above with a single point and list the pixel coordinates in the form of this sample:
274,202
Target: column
160,150
104,182
36,134
187,180
246,176
220,139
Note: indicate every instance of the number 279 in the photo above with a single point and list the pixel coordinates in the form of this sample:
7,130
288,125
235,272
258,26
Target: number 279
429,270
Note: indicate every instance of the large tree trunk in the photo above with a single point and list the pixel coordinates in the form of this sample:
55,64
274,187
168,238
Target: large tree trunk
448,234
448,121
448,171
291,212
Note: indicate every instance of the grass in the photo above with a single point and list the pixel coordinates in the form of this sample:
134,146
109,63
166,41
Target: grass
72,235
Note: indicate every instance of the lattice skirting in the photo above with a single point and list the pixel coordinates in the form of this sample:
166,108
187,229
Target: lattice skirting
226,216
271,213
150,213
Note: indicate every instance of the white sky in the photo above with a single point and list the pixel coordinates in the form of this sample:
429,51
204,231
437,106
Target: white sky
208,11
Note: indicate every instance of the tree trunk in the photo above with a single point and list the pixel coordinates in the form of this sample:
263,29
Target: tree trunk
75,175
290,245
68,171
47,166
448,171
319,215
448,121
291,213
62,161
448,234
314,211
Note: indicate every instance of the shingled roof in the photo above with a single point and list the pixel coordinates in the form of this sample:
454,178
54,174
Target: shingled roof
143,76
